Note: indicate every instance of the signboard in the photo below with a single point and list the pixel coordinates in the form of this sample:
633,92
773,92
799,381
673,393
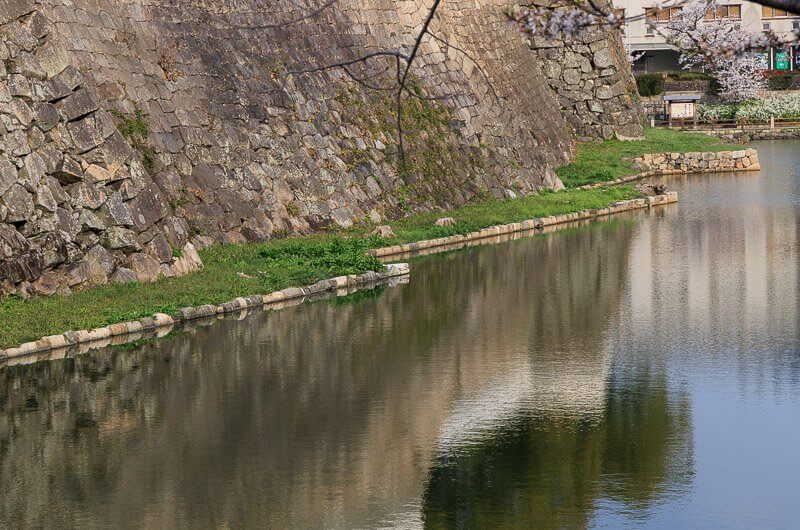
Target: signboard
681,110
781,60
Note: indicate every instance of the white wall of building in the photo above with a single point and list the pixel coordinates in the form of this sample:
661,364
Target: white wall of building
640,39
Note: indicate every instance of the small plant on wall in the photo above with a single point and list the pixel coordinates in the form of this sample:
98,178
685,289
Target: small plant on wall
134,128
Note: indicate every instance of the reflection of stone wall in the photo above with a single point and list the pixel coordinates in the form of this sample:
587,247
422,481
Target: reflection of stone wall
225,147
220,423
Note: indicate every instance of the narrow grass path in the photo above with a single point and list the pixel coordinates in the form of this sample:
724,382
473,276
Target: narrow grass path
241,270
612,159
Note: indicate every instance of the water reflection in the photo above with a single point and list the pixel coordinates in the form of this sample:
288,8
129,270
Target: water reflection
602,376
549,470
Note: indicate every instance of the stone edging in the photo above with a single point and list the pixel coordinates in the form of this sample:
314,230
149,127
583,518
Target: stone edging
660,164
161,320
531,224
186,314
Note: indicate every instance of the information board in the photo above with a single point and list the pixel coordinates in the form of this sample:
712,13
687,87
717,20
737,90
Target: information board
681,110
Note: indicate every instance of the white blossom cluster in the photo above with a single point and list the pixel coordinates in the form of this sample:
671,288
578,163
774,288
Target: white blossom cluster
556,22
785,107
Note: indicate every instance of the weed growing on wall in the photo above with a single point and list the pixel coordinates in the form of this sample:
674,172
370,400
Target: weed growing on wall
134,128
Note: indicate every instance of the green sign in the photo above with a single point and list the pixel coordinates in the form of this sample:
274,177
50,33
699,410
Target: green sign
781,61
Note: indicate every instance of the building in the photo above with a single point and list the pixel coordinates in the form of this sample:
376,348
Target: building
641,34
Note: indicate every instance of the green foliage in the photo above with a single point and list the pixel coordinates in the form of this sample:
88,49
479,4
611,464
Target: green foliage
650,84
494,211
612,159
295,262
293,209
780,81
135,129
269,266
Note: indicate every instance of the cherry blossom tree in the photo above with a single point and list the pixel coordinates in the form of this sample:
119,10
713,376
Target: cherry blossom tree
719,46
740,78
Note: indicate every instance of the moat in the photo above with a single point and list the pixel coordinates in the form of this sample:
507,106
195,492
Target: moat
638,371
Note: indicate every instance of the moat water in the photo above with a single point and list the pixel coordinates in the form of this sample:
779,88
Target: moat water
640,371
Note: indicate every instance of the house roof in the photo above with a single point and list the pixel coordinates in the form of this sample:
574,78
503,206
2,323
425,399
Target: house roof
682,97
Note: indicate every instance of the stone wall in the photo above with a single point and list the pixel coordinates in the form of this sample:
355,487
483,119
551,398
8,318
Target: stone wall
747,135
593,82
77,206
133,128
705,162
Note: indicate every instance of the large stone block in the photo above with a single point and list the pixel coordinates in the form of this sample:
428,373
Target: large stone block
146,268
85,134
86,195
53,58
148,208
8,174
78,104
19,203
118,238
46,115
13,9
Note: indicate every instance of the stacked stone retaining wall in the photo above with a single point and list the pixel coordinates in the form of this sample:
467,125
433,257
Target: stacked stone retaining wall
699,162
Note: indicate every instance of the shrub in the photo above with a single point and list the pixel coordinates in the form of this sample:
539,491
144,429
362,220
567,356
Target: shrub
650,84
780,81
689,76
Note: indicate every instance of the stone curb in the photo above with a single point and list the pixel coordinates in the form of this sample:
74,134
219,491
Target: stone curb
530,224
697,156
191,313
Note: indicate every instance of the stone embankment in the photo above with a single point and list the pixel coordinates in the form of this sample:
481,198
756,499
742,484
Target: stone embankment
658,164
531,224
699,162
778,133
161,320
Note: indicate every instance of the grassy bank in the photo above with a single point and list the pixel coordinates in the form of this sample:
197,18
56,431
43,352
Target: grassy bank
612,159
241,270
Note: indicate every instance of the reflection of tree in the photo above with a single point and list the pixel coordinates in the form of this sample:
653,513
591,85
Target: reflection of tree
549,471
648,441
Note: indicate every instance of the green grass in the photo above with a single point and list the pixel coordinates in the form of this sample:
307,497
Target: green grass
240,270
493,212
612,159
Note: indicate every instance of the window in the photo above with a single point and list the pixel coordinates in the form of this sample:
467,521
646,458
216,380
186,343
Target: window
733,11
771,12
664,15
795,25
766,26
